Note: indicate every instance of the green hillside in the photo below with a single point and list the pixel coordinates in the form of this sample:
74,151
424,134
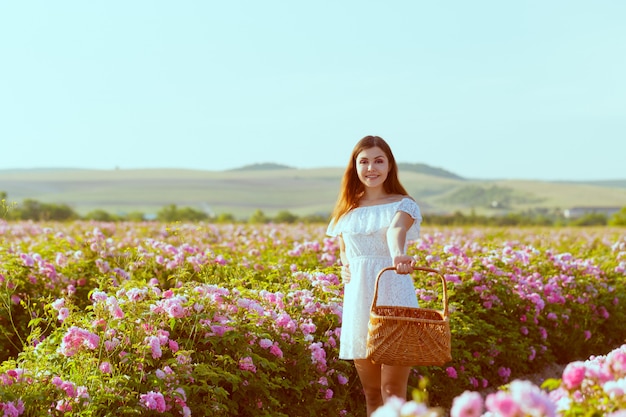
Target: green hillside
273,188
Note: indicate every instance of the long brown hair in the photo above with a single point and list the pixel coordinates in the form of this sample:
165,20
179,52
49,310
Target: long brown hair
352,189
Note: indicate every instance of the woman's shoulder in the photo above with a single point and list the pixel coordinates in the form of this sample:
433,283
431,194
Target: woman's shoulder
408,199
388,207
371,218
388,200
398,198
410,206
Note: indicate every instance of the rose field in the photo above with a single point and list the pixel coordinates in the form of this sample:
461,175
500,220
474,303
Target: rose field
244,320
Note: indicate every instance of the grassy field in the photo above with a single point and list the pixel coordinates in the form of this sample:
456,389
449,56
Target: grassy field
300,191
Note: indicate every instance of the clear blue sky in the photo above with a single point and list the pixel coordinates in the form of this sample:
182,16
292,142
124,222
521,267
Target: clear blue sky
532,89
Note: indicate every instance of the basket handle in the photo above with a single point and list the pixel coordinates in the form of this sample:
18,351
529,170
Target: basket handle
415,268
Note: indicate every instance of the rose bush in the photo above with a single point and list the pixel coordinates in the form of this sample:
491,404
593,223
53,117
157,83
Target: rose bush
525,299
190,319
595,387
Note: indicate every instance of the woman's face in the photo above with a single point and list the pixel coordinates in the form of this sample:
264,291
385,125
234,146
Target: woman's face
372,167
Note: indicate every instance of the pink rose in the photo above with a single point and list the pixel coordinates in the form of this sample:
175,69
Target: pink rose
502,404
105,367
153,401
573,374
451,372
468,404
247,364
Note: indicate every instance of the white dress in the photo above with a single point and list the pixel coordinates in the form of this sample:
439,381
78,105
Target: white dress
364,232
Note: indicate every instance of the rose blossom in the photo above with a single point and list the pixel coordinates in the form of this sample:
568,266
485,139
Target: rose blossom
468,404
573,374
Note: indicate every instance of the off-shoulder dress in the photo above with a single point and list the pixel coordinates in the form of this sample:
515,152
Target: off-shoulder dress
364,232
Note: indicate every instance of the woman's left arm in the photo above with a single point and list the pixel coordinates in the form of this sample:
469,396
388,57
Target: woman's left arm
396,240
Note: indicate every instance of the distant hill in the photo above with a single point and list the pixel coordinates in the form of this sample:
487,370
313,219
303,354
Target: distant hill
489,196
27,170
428,170
273,188
602,183
266,166
402,166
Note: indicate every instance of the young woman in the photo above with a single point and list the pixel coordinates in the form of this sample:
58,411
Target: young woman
374,217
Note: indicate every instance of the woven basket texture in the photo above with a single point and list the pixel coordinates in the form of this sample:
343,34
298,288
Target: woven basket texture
409,336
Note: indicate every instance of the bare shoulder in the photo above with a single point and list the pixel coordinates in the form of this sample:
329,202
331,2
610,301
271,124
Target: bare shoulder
388,199
400,197
396,198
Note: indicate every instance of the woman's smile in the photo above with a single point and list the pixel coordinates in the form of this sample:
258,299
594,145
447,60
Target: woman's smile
372,166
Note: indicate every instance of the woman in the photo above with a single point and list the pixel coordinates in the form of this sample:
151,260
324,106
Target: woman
373,218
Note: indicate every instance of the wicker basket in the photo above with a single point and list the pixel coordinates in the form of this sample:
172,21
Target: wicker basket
409,336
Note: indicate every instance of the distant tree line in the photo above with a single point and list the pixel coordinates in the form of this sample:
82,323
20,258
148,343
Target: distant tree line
38,211
536,217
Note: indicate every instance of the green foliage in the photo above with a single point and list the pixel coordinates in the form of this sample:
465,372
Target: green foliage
285,380
316,218
225,218
591,219
535,217
239,310
285,216
619,218
258,217
38,211
135,216
100,215
172,213
517,308
5,207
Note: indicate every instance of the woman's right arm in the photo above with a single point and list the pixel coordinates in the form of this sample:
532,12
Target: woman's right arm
345,266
